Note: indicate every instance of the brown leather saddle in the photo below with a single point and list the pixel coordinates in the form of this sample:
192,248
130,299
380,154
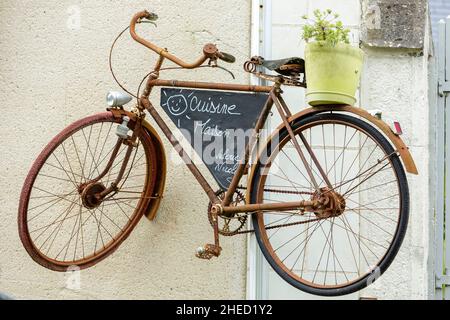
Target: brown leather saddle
290,67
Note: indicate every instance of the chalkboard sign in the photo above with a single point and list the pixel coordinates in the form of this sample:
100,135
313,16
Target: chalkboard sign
218,125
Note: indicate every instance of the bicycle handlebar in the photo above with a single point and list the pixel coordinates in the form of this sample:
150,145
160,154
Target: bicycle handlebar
210,51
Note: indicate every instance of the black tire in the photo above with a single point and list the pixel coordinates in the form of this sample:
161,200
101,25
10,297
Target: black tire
403,214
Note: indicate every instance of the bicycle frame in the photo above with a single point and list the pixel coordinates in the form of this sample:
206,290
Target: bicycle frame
323,202
274,98
211,53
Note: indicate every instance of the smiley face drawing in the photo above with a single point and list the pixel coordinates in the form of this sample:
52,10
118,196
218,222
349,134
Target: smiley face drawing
177,104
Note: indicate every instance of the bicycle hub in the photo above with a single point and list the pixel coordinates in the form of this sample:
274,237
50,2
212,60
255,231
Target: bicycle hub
332,203
89,195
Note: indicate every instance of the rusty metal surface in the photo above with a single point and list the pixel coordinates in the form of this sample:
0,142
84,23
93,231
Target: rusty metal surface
180,150
160,51
324,202
288,75
400,146
152,209
231,224
210,85
24,234
210,50
253,140
299,149
303,205
222,206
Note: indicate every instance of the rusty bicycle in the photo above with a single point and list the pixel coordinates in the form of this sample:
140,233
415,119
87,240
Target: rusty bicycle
327,194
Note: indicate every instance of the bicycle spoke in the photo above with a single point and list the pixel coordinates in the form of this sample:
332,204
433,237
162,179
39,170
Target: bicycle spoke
99,232
62,229
65,212
79,159
66,172
323,251
292,239
331,252
292,251
59,199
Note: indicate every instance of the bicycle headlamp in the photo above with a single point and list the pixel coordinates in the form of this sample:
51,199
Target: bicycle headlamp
116,98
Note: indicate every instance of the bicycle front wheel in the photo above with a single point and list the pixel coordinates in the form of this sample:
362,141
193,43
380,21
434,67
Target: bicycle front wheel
58,226
345,251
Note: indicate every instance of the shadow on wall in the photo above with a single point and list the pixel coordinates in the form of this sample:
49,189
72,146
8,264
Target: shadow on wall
4,297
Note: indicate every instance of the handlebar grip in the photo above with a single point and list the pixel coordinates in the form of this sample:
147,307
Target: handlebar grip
227,57
150,16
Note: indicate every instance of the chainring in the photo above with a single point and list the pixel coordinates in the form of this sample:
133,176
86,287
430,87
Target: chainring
230,225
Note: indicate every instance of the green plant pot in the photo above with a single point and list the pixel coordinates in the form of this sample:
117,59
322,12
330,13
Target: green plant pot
332,73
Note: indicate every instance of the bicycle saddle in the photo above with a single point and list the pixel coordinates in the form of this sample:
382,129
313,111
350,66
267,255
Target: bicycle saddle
286,67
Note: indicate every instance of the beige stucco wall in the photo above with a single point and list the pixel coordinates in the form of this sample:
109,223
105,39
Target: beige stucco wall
405,99
52,73
396,82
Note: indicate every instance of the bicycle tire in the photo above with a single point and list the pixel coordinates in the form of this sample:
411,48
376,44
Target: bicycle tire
395,245
23,222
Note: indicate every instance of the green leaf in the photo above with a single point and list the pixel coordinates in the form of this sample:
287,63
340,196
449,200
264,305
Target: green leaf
324,28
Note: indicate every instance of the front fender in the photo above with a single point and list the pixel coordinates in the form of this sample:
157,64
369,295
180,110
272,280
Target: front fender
400,146
153,206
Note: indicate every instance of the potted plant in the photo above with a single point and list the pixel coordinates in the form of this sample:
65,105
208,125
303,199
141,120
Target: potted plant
333,66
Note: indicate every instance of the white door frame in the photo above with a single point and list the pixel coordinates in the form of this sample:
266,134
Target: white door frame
261,45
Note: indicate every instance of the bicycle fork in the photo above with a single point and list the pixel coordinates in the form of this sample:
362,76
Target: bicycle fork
284,112
92,192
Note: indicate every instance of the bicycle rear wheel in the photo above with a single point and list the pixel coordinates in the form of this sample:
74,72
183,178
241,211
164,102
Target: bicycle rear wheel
348,250
57,227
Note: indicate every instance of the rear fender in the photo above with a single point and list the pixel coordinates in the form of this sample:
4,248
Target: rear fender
398,143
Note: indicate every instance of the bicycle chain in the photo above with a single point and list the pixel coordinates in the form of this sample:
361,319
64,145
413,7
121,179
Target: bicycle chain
285,224
282,225
281,191
291,192
242,218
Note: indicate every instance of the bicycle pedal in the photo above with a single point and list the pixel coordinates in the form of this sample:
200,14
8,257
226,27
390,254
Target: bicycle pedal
208,251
